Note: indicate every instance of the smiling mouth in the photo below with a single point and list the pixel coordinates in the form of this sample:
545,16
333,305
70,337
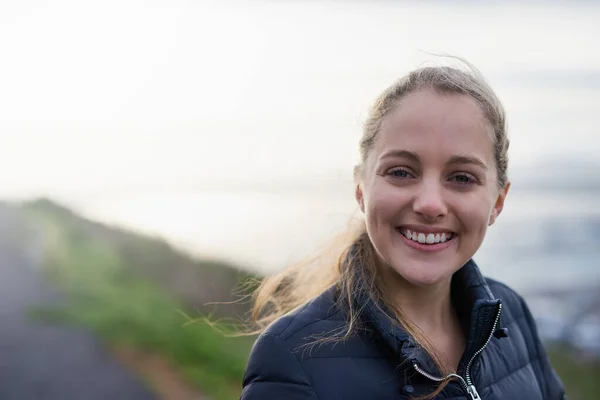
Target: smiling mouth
426,238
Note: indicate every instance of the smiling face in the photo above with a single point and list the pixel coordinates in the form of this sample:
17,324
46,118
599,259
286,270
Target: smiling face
428,187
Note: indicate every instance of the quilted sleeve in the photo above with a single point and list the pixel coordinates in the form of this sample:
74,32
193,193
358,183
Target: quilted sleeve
274,373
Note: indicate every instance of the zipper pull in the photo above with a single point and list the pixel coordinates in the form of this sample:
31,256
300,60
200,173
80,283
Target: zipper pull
473,392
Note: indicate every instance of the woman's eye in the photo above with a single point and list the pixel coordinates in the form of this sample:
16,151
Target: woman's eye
399,173
463,179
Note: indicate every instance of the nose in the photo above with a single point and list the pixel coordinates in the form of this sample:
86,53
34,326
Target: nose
429,201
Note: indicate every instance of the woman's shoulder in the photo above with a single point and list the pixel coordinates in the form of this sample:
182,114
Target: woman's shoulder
275,366
520,324
316,317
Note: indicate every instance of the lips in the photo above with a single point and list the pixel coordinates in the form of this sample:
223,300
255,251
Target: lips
426,237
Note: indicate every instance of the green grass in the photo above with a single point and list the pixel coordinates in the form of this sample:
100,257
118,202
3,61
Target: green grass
126,308
581,377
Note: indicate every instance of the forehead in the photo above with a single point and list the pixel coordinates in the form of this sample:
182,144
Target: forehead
432,123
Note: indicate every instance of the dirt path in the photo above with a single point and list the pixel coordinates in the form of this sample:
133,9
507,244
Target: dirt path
41,361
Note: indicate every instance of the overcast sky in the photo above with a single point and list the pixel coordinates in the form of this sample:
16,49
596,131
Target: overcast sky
101,95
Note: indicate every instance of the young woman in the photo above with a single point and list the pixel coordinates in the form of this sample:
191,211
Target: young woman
405,312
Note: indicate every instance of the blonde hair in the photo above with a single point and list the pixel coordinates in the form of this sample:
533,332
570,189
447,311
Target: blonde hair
352,252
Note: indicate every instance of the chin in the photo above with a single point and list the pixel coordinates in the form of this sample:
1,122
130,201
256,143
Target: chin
422,273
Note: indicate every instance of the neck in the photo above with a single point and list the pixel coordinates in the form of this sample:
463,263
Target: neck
428,307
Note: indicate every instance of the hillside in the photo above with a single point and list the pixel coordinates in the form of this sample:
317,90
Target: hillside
199,283
147,301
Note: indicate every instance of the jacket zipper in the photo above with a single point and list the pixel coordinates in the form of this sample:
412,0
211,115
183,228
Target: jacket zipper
466,382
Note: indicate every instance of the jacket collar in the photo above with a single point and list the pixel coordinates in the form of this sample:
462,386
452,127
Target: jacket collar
475,304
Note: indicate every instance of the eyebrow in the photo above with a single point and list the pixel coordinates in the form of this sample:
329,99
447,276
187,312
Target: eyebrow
457,159
402,154
467,160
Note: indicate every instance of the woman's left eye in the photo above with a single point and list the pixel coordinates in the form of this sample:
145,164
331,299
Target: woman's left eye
463,178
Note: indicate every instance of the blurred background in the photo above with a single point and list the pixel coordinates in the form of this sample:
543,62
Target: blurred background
156,154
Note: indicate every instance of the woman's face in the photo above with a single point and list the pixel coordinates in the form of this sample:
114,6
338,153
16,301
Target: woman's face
428,188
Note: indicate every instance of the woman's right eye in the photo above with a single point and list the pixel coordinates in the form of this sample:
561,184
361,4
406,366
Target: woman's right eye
399,172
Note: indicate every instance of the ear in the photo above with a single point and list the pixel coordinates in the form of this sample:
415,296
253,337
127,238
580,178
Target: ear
499,205
358,194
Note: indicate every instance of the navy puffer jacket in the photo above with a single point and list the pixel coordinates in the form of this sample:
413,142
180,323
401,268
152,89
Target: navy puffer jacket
504,358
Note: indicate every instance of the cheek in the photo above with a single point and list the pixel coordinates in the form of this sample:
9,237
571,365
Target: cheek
383,202
475,214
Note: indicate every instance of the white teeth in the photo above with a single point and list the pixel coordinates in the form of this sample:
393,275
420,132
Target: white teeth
429,238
